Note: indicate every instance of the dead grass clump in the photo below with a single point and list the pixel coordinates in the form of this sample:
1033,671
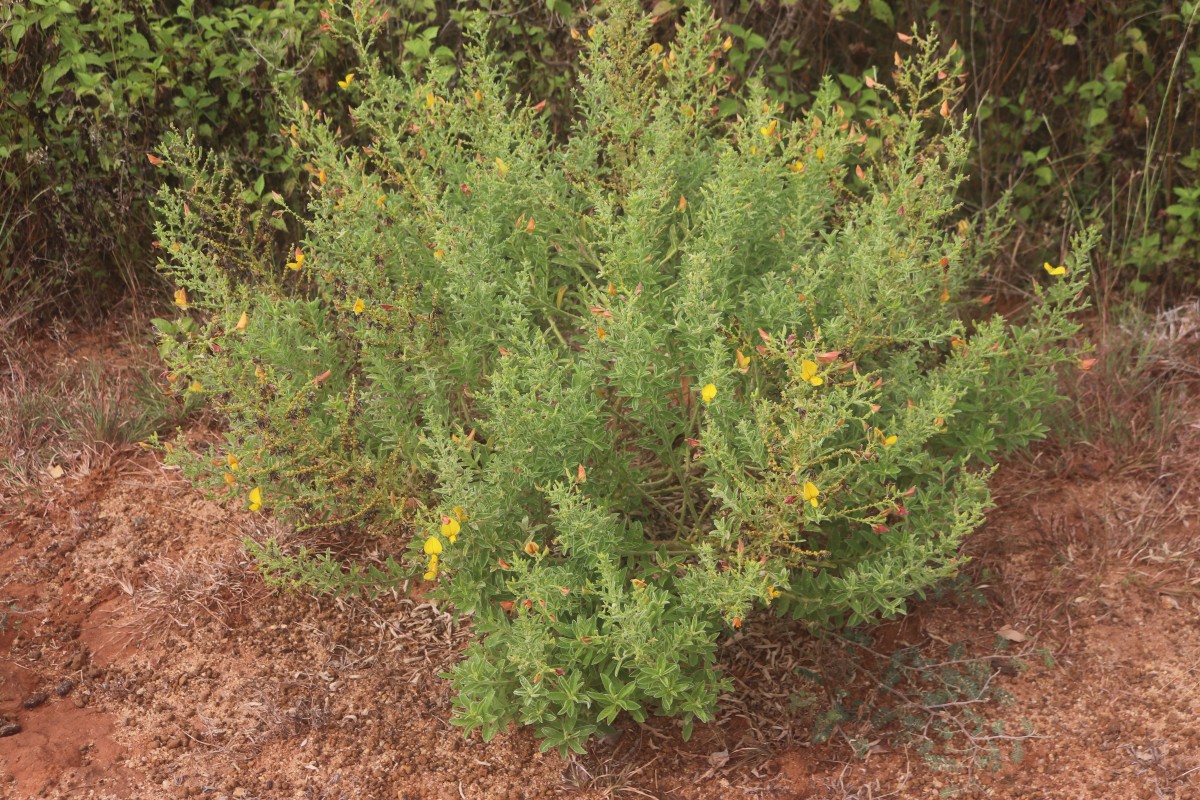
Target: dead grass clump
179,594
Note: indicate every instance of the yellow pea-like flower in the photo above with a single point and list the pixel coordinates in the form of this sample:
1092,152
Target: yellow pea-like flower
181,299
743,361
233,462
243,322
349,79
1060,270
359,306
811,493
808,372
450,528
433,546
298,262
708,393
501,167
256,499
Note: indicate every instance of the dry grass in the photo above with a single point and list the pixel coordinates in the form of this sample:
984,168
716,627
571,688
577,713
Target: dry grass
59,409
180,594
1126,413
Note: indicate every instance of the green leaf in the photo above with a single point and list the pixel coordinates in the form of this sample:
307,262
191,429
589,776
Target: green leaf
881,11
1096,116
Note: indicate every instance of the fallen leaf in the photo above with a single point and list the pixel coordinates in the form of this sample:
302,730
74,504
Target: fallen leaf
1012,634
56,471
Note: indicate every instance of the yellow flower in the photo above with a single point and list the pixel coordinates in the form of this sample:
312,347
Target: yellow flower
381,200
433,546
478,96
501,167
439,254
592,33
820,154
359,306
230,479
298,263
773,593
459,513
260,373
322,176
345,84
243,321
601,333
575,35
769,130
196,387
811,493
808,372
450,528
256,500
727,45
181,298
432,572
888,441
531,548
233,462
430,100
743,361
656,49
1055,270
708,393
688,111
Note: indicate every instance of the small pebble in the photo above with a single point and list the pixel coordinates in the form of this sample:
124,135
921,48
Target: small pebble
64,687
10,728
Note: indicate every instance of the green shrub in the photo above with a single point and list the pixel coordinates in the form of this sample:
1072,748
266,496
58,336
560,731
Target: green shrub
612,390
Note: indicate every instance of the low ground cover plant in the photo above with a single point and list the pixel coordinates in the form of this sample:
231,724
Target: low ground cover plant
618,386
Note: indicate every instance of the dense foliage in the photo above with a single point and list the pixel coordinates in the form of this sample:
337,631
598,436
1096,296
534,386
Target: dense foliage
1087,113
619,384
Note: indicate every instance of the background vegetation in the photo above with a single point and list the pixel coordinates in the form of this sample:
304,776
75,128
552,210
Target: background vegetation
1086,112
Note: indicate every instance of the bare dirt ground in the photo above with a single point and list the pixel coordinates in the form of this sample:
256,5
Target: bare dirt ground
142,657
